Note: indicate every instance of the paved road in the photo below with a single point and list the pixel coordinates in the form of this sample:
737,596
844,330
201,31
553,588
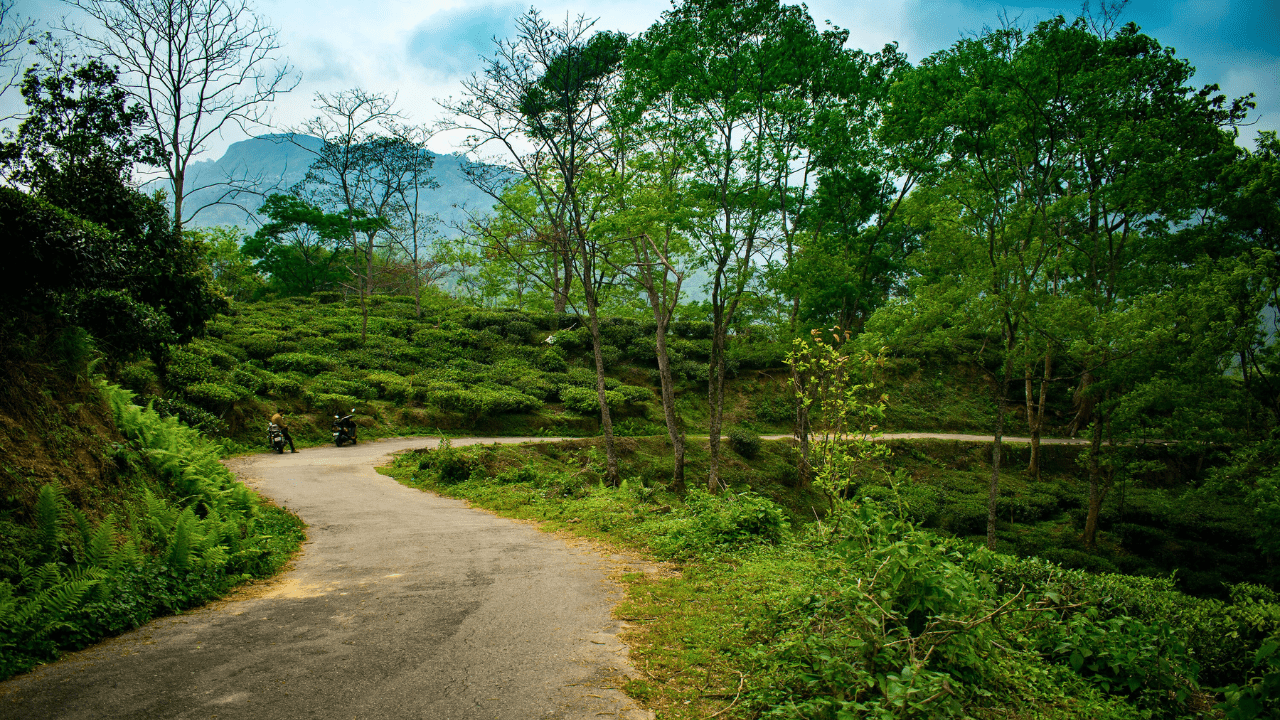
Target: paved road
403,605
963,437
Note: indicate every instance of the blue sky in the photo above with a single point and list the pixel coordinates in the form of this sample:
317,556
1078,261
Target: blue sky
419,51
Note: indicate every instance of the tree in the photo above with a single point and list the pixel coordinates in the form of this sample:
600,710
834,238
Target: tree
15,31
345,179
543,100
233,271
196,66
302,248
1070,159
404,167
736,77
100,254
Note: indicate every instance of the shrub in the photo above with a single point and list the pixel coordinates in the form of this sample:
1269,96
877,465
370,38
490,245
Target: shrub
302,362
139,378
317,345
744,442
721,520
261,345
187,368
390,386
331,402
552,360
519,331
283,386
586,401
634,394
214,395
776,409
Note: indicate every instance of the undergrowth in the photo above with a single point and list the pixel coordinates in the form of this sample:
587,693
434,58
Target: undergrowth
188,533
866,615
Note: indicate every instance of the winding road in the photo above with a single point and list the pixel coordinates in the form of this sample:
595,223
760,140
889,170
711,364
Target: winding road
403,604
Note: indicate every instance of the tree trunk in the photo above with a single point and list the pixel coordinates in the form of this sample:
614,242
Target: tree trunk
674,431
606,421
993,490
1036,419
1097,489
179,184
365,283
715,396
561,299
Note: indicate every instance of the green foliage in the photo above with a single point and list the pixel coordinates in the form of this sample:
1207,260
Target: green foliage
302,362
744,442
193,533
707,522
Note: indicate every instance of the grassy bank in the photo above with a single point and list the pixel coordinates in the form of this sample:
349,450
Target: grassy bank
864,613
157,526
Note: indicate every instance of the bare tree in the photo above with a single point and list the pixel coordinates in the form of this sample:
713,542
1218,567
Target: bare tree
15,31
405,169
351,126
542,101
197,66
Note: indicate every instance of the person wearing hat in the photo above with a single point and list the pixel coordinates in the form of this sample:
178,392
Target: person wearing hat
278,419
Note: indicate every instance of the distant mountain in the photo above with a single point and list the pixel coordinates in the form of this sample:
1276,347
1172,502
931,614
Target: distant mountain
274,163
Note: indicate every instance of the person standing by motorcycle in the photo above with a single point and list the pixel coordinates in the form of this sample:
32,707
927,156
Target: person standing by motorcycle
278,421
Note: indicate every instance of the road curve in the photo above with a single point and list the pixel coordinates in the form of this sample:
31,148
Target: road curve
403,604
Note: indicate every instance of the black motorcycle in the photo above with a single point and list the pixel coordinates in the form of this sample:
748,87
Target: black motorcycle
344,429
275,437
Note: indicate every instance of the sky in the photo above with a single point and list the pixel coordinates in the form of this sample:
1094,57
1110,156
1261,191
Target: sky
421,51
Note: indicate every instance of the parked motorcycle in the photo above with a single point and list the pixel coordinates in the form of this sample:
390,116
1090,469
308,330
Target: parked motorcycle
275,437
344,429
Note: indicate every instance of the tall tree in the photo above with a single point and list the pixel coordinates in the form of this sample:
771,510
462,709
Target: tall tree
732,72
196,66
543,103
353,127
404,167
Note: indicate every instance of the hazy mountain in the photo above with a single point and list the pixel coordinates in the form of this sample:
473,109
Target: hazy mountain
274,163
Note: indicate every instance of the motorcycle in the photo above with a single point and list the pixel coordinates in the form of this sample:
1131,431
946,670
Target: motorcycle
275,437
344,429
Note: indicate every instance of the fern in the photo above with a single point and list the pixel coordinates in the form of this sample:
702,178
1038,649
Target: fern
48,513
101,544
179,556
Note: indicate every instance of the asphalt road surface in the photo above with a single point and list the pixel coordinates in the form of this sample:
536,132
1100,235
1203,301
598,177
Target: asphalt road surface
402,605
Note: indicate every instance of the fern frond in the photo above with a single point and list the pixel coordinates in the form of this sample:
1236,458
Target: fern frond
48,514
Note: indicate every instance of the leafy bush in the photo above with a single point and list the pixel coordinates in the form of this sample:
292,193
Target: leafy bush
139,378
744,442
214,395
708,521
331,402
634,394
302,362
185,367
587,401
449,465
390,386
552,360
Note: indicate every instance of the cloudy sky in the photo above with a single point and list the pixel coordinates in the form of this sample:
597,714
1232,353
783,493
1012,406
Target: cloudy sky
419,51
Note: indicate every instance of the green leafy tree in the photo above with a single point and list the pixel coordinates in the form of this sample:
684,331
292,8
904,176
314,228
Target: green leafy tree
233,271
144,286
301,248
543,101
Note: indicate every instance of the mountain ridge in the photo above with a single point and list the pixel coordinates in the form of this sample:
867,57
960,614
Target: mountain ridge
275,162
